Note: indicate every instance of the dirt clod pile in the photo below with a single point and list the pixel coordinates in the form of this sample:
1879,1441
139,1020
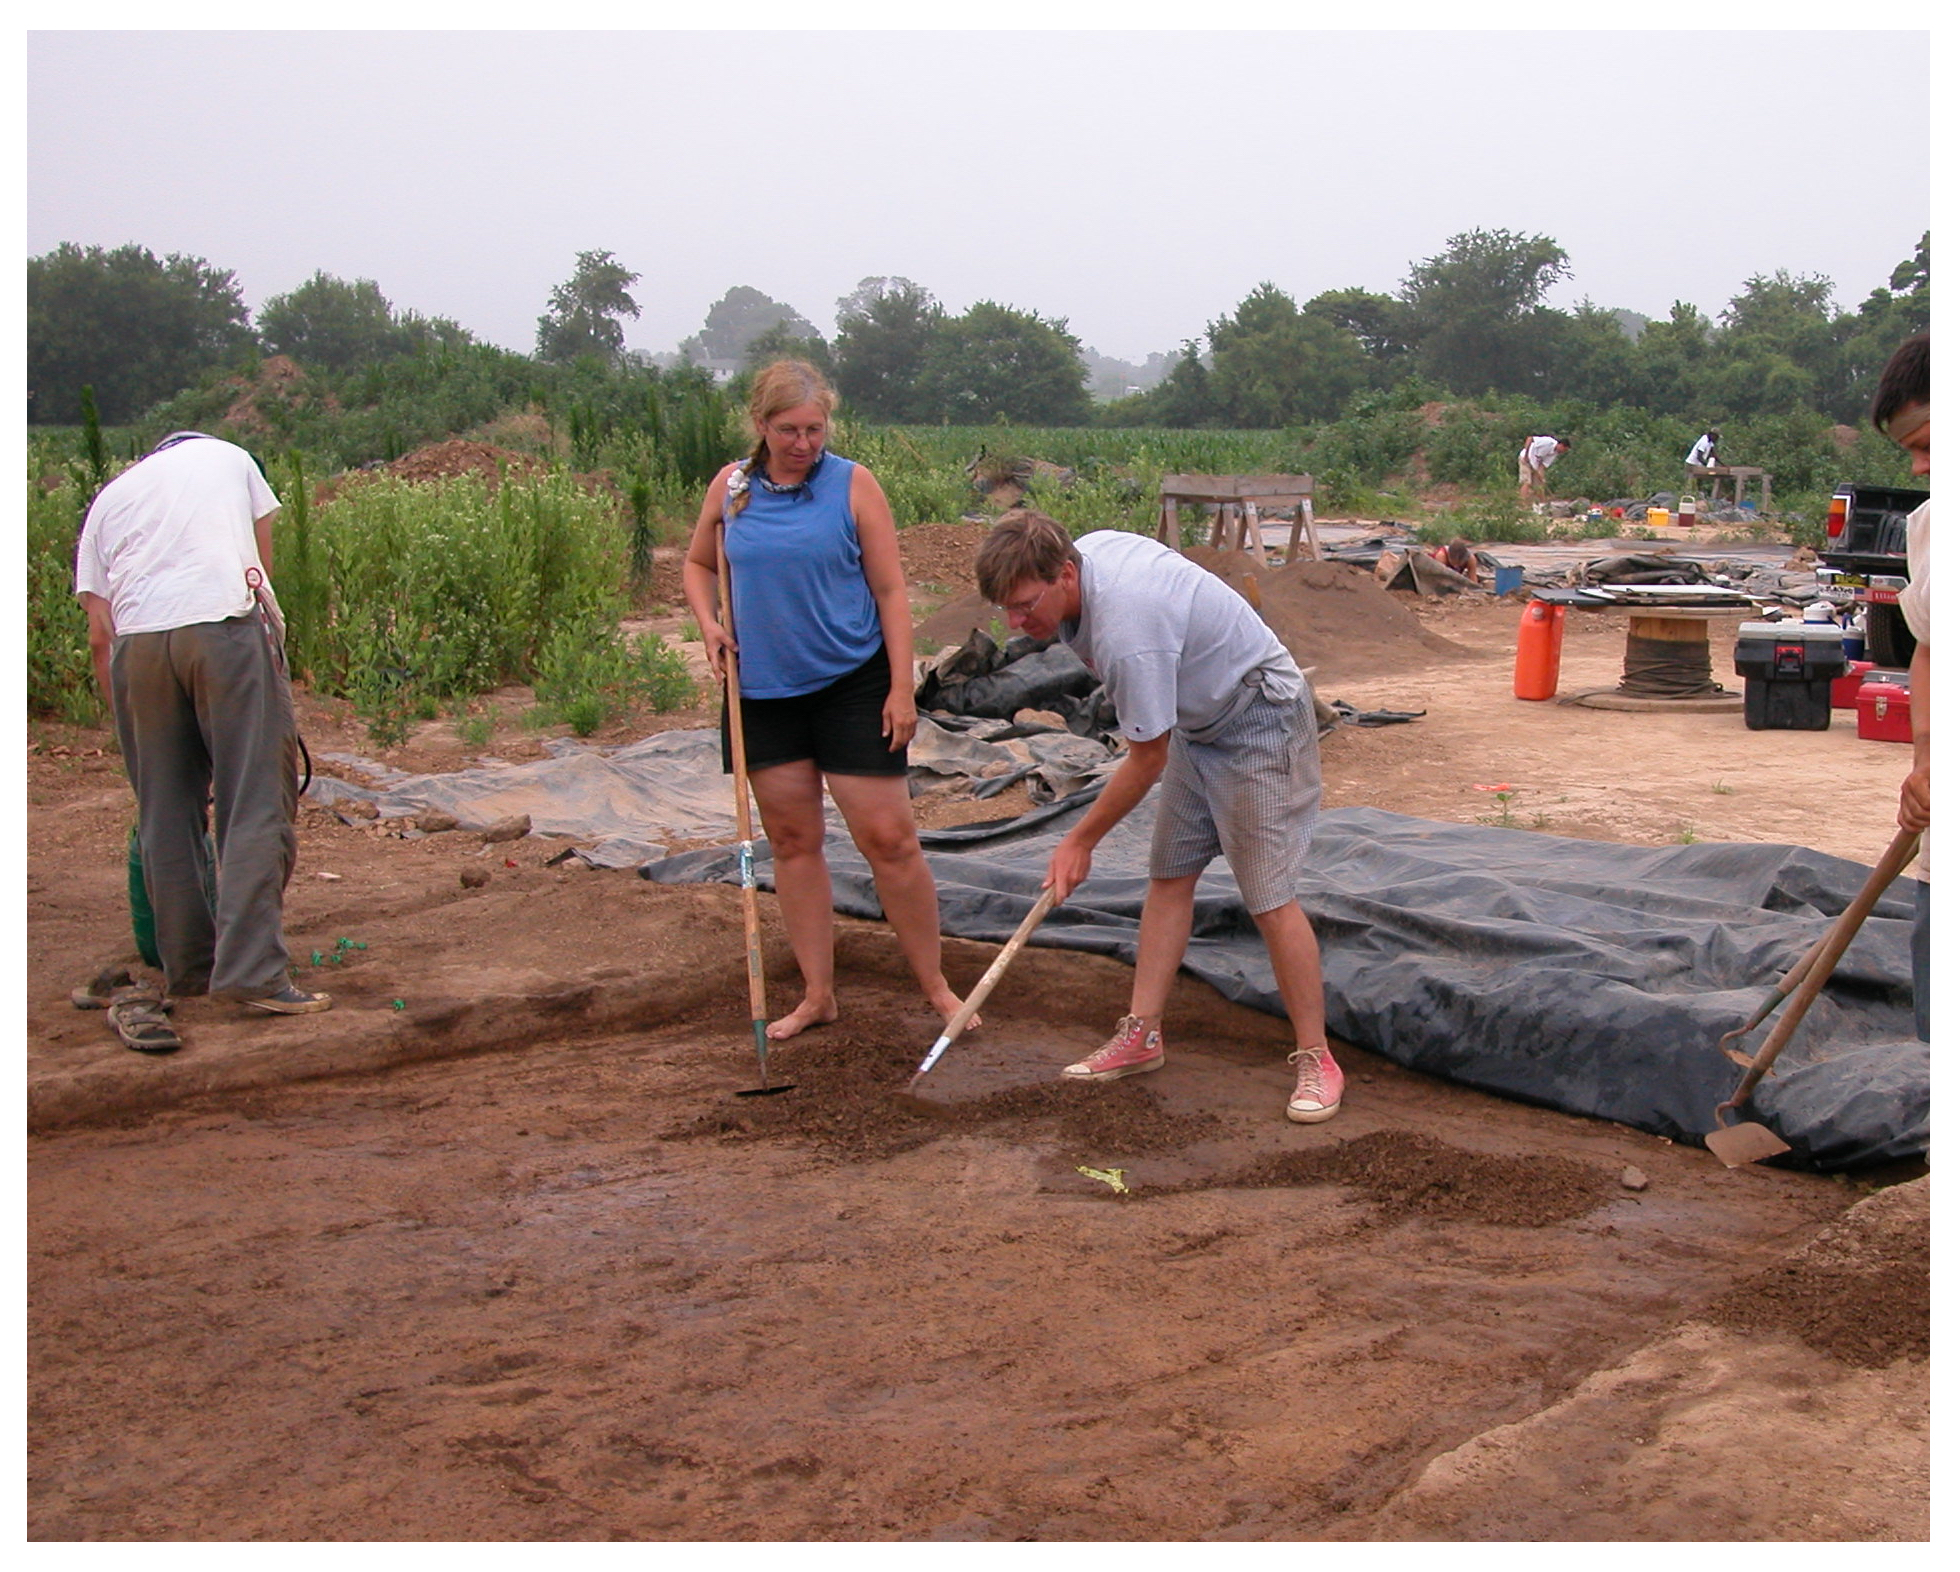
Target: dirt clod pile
445,460
1405,1174
1860,1292
1334,618
847,1103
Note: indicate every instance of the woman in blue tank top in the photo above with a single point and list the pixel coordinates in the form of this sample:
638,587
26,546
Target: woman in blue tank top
823,627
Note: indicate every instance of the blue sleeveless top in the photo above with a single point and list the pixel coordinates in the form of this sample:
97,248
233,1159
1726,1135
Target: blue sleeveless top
804,615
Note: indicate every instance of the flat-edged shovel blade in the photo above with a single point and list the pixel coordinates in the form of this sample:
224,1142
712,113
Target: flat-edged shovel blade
1737,1144
764,1089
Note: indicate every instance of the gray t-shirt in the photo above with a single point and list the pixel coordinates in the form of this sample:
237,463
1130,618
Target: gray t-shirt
1174,645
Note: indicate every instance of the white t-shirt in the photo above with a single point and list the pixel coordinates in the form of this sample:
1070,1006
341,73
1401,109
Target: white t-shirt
167,542
1703,452
1539,452
1916,606
1171,642
1916,599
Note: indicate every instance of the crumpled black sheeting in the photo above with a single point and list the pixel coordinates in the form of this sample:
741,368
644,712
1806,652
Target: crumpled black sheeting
1580,975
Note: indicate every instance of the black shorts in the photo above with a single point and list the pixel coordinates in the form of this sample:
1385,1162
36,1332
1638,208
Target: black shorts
840,726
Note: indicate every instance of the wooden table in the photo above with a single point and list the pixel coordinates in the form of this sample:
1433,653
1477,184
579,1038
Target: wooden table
1737,475
1235,501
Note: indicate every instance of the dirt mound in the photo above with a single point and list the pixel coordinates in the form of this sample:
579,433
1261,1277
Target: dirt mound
848,1103
938,558
278,380
1406,1174
1860,1292
445,460
1335,619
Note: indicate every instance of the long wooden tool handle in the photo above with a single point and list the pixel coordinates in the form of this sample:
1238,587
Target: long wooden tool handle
1897,856
738,752
1785,986
985,986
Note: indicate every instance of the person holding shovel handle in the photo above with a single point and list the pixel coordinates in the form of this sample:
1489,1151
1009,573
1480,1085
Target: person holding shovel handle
823,627
1212,706
1902,408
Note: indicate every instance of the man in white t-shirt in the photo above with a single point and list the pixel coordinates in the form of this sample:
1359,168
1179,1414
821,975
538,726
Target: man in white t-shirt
1902,408
1702,454
1209,702
1534,458
172,569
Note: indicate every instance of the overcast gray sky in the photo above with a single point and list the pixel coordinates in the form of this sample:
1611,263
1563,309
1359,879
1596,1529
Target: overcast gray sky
1137,184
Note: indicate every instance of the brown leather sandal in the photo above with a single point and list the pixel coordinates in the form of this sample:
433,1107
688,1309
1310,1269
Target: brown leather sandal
137,1015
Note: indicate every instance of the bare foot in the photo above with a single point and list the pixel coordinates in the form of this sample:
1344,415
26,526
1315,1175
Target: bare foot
949,1004
809,1013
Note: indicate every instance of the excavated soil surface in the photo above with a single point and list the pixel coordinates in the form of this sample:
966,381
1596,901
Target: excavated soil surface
495,1250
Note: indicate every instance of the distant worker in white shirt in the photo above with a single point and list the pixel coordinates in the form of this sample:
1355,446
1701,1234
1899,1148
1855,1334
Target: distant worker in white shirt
1702,454
1534,458
173,569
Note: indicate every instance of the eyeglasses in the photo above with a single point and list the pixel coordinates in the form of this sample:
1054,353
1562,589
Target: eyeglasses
1024,608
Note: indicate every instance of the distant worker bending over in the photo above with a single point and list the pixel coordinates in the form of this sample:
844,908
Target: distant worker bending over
1210,703
1534,458
1459,557
173,571
1702,455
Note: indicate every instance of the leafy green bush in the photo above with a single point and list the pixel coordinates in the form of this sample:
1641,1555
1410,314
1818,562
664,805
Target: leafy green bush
1484,517
585,683
1469,447
1360,453
427,591
60,673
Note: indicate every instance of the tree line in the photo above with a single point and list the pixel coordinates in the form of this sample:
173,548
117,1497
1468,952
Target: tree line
1470,322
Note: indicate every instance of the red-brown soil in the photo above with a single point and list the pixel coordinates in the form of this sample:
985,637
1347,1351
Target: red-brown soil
494,1250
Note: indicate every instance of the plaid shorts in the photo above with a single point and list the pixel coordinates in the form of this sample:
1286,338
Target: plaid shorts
1252,792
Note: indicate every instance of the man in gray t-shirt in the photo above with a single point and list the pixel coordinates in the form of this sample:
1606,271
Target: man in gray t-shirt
1212,705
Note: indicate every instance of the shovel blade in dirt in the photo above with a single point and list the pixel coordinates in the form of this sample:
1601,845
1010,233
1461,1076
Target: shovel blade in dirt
1739,1144
985,986
762,1065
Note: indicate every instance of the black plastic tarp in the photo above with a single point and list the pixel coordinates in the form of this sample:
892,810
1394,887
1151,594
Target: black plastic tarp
1585,976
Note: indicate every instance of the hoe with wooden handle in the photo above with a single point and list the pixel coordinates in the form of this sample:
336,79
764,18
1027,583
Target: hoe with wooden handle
751,926
1748,1142
985,986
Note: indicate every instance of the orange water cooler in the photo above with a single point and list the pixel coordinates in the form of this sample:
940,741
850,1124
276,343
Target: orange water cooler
1541,634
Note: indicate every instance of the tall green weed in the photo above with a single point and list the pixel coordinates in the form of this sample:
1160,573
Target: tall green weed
60,673
586,683
431,591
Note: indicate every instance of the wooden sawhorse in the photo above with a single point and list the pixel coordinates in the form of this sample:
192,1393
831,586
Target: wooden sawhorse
1236,501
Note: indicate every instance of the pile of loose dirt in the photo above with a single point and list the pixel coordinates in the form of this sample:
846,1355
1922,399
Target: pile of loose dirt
278,379
849,1102
1860,1292
664,585
445,460
1335,619
938,558
1406,1174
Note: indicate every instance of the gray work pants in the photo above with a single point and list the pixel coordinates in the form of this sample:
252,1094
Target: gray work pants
205,713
